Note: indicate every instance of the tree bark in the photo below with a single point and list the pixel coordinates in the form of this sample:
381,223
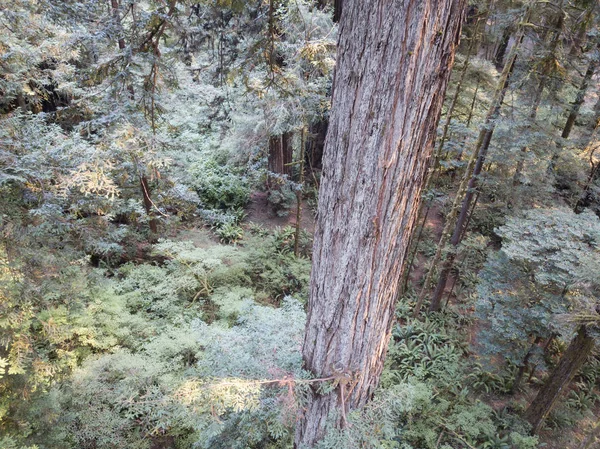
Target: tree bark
279,159
337,10
393,65
502,47
315,143
572,360
524,364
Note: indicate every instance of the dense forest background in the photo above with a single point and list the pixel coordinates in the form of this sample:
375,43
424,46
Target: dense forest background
160,163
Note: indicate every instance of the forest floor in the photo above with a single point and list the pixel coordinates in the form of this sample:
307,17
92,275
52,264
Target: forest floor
434,224
261,212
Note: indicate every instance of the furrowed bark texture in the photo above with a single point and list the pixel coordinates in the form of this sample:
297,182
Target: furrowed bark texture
394,60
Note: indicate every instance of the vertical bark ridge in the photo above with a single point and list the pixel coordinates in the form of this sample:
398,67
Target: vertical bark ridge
392,71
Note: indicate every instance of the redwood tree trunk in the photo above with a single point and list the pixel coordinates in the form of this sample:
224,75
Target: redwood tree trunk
393,66
572,360
279,159
337,10
315,143
502,47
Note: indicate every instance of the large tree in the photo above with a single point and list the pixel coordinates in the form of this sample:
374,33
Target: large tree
394,60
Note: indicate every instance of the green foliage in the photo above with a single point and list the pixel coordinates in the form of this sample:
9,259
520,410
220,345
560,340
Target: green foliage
422,350
282,199
218,187
193,381
229,232
561,247
526,285
488,382
274,267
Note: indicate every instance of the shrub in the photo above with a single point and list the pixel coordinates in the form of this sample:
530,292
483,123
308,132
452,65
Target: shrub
218,186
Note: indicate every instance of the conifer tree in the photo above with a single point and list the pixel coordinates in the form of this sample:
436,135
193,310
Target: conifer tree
387,95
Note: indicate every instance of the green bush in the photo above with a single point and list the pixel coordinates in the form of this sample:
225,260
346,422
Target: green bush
229,232
218,186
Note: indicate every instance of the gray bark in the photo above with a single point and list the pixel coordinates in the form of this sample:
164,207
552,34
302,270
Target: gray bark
394,60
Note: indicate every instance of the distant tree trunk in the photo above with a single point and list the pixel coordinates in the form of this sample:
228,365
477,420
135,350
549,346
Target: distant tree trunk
415,248
585,84
466,191
148,204
21,102
121,40
279,159
523,366
532,115
450,112
145,187
548,65
315,143
467,125
115,11
570,363
337,10
299,193
392,69
574,113
502,47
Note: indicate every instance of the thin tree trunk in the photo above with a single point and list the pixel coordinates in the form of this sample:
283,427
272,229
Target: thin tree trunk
121,41
279,159
314,144
392,70
532,115
574,113
411,258
585,84
450,112
468,125
583,200
299,195
523,366
148,204
570,363
468,182
455,280
144,185
115,10
449,264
